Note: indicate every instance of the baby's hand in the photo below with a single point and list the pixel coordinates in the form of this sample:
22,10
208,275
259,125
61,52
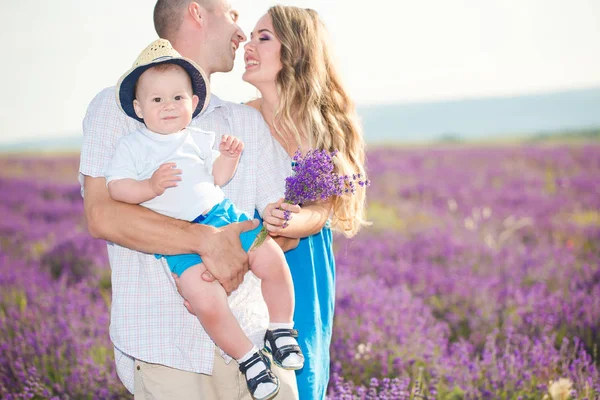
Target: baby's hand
231,146
164,177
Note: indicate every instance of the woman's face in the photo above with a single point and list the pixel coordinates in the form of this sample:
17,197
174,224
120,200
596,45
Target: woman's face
262,54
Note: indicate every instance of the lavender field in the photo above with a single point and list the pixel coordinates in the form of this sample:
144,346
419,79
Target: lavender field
479,279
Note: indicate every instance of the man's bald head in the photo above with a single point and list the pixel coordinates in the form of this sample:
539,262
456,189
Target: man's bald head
169,14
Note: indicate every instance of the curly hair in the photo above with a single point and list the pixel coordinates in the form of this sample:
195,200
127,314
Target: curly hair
315,106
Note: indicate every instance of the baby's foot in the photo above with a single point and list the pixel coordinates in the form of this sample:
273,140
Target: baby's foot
262,383
282,344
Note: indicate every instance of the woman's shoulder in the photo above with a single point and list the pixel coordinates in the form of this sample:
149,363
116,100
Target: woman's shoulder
254,103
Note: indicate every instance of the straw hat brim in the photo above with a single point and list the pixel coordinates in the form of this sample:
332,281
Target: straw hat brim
126,85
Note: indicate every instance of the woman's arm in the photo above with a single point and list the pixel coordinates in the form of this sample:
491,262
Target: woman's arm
285,243
309,220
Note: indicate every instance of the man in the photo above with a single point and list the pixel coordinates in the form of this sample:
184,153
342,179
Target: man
161,351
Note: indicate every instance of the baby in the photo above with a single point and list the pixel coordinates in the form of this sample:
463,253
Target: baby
171,168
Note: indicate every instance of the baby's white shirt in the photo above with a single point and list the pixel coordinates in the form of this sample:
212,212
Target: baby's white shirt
140,153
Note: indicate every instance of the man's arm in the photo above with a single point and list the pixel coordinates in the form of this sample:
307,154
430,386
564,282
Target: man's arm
133,226
140,229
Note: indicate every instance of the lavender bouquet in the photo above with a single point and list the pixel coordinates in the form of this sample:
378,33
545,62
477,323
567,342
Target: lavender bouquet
314,179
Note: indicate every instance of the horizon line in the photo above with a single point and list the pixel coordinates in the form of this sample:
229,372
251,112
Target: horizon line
507,96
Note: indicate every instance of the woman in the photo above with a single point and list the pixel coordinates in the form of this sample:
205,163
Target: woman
302,99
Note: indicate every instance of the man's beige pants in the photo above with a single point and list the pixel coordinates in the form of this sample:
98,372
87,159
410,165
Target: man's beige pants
157,382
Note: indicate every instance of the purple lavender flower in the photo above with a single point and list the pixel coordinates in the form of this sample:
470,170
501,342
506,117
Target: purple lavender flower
482,270
314,178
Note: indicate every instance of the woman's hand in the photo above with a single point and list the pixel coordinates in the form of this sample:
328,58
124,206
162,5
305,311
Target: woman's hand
274,219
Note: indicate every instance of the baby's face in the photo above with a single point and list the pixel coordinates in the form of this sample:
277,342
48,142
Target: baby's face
165,100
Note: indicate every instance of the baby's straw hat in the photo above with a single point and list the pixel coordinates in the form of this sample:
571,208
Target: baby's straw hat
160,52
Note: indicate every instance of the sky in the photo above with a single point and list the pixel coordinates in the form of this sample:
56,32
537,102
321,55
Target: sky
59,54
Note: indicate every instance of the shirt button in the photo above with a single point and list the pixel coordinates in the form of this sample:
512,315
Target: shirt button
138,367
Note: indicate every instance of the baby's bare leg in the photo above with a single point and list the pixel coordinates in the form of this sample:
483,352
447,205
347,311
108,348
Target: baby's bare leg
209,302
268,263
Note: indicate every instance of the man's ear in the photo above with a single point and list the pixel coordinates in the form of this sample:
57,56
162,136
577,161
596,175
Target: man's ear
197,12
137,108
195,101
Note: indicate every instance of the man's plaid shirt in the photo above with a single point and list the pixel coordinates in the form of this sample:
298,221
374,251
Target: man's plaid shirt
148,319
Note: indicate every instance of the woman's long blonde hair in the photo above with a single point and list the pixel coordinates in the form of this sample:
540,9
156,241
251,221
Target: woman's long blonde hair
314,105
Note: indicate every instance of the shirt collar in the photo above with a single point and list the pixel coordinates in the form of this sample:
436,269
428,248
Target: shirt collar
215,102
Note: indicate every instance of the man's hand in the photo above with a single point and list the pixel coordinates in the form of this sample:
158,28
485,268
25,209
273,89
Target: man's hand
224,257
164,177
231,146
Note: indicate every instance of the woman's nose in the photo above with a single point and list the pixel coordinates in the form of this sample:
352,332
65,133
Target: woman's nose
249,46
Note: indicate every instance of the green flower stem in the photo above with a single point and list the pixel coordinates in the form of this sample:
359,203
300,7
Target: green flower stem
260,238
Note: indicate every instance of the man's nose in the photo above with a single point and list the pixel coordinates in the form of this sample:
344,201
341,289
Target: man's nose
240,34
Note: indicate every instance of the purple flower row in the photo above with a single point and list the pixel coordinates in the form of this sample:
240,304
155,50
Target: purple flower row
480,278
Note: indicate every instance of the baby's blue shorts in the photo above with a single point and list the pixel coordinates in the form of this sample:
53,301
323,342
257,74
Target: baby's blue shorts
220,215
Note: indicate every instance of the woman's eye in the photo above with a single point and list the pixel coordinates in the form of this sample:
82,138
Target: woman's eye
262,38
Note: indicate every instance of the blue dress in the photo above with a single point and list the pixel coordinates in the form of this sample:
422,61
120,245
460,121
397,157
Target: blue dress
312,265
313,271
